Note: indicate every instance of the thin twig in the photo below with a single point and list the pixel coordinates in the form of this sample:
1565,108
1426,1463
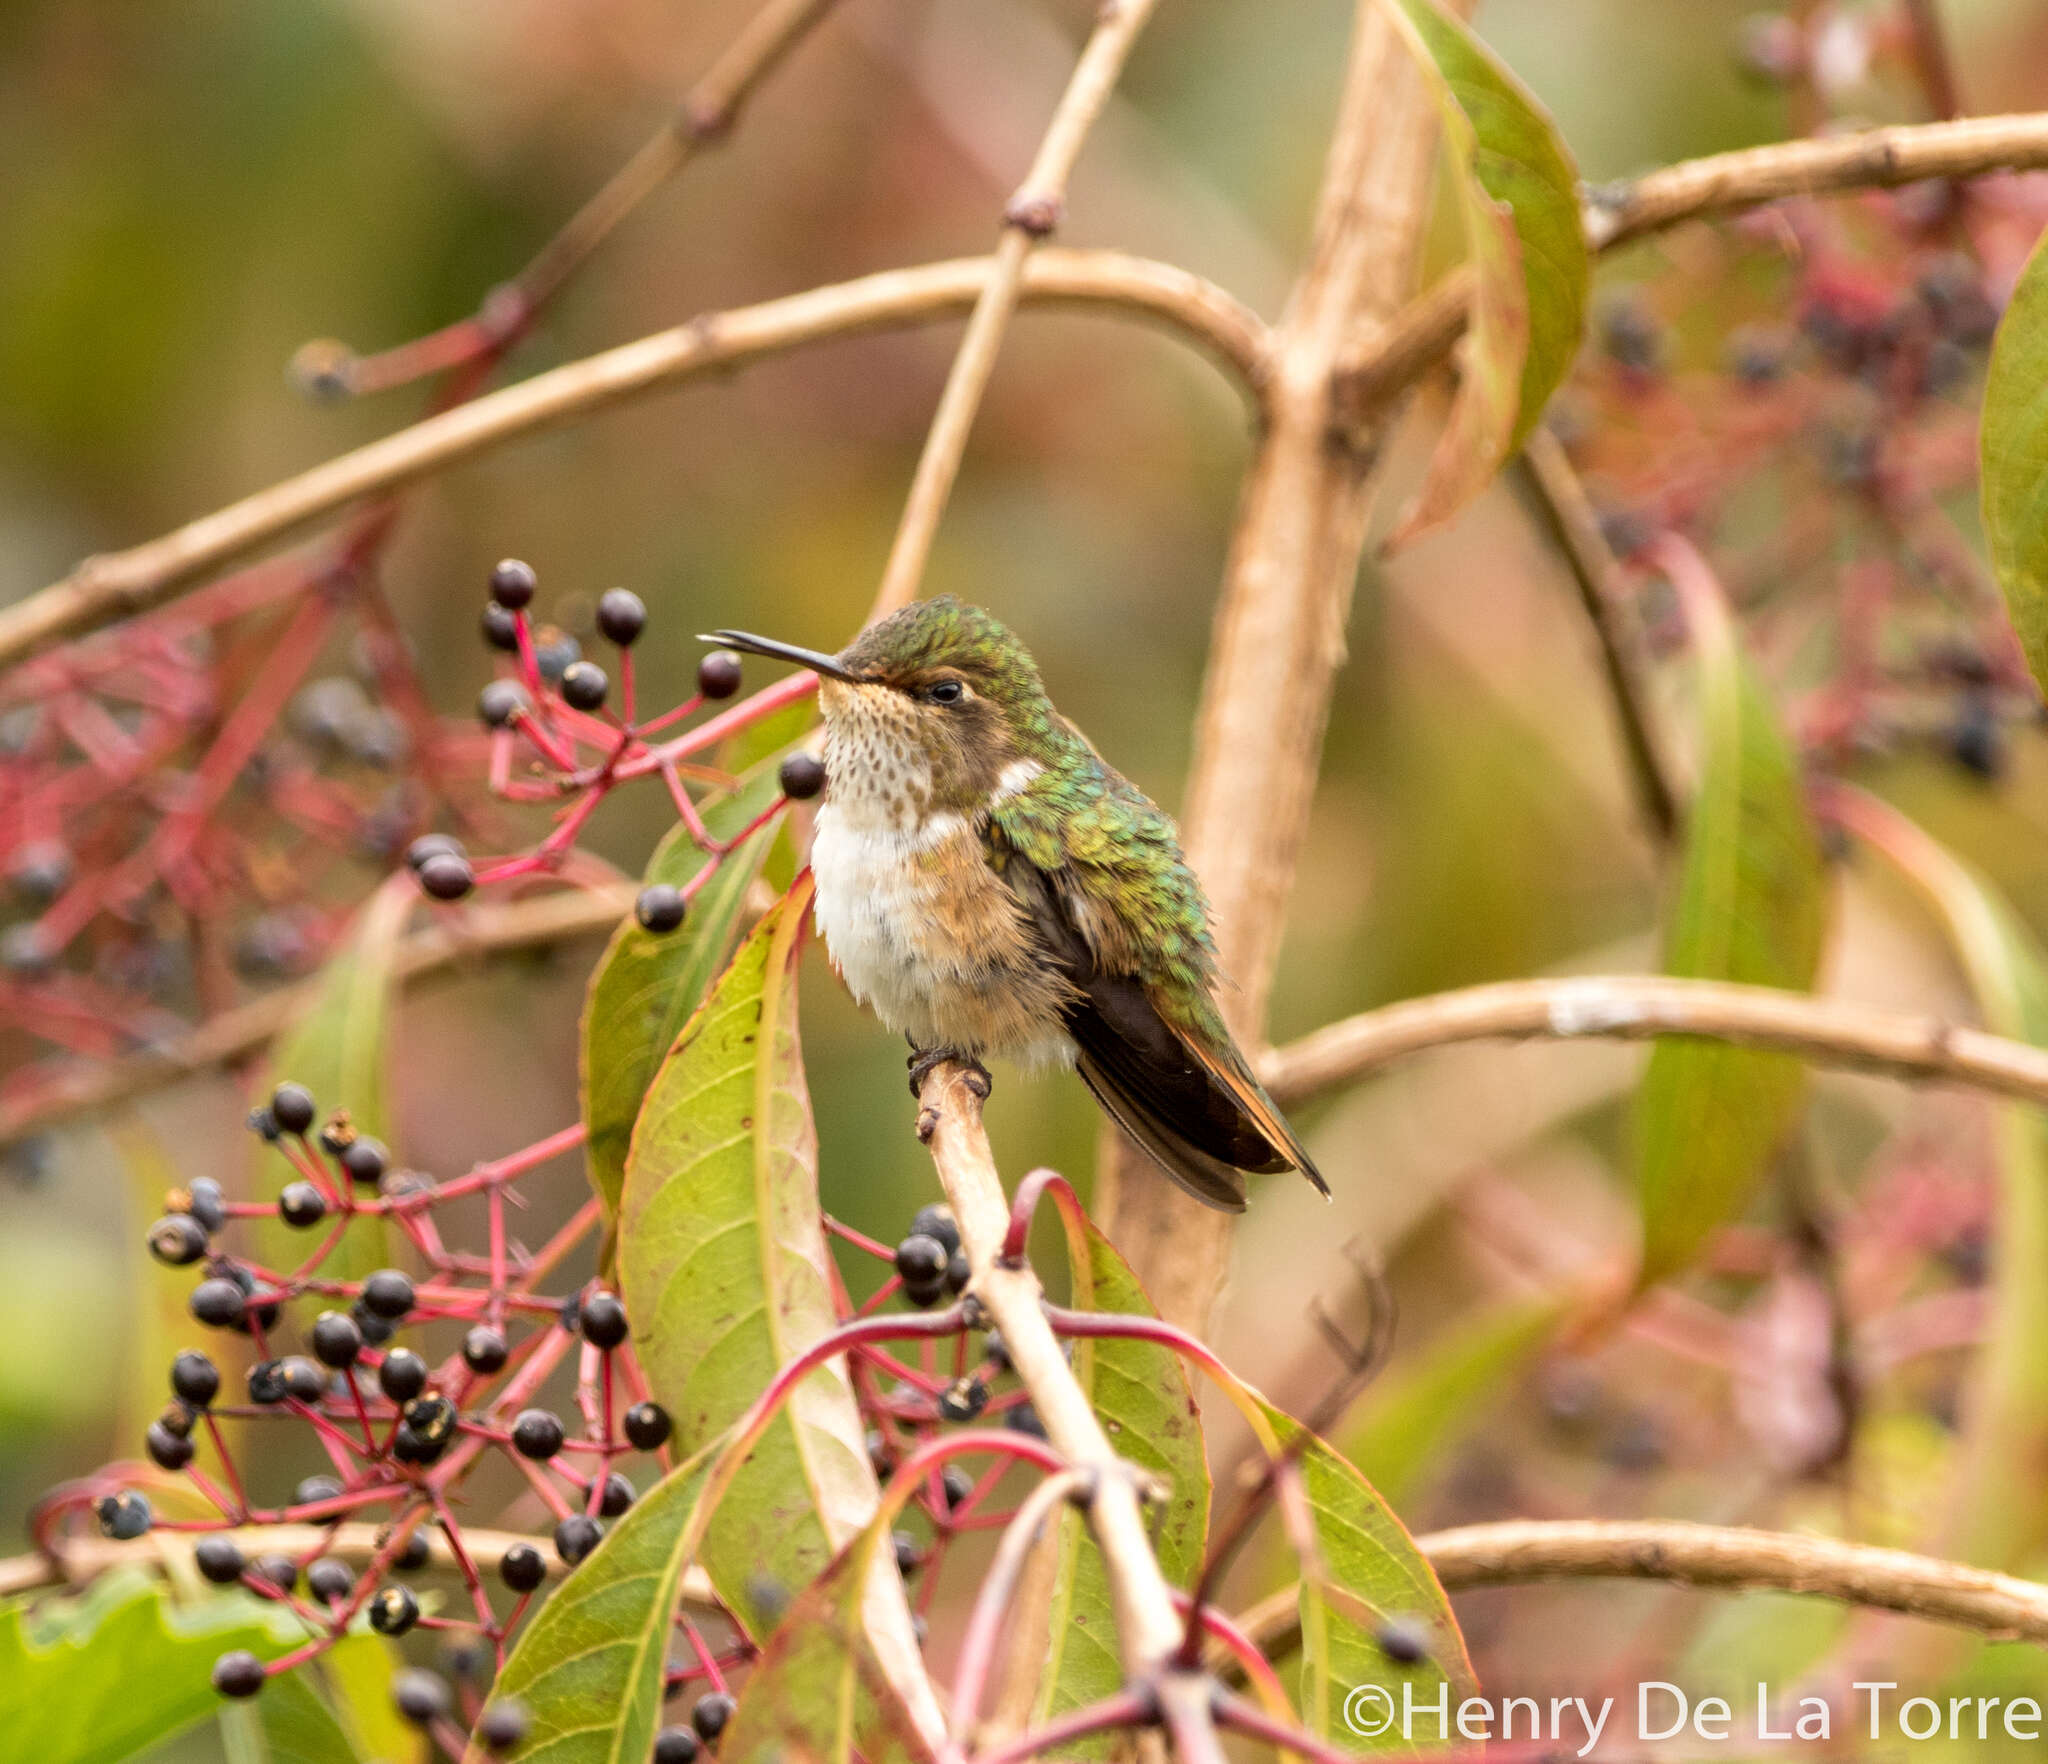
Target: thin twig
1969,147
117,584
233,1035
1032,213
1595,571
1638,1007
1148,1627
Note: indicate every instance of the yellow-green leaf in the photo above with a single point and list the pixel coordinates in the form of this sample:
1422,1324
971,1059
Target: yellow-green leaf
1750,907
1516,190
647,986
2013,460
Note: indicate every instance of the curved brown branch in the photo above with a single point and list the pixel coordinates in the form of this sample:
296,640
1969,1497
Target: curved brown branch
1148,1627
86,1557
234,1035
1032,213
117,584
1639,1007
1969,147
1727,1557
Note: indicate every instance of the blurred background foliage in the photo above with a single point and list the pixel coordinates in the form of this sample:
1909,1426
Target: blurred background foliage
189,192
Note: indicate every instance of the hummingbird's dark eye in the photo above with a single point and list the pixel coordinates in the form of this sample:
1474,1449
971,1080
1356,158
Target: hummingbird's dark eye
946,692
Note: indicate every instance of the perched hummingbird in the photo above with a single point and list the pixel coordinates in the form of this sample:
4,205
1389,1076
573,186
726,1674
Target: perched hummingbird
988,884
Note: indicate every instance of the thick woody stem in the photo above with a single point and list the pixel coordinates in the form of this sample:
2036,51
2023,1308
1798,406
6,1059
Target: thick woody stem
1287,589
117,584
1148,1627
1031,215
1640,1007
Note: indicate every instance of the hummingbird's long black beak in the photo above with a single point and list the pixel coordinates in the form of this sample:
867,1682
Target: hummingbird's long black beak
815,660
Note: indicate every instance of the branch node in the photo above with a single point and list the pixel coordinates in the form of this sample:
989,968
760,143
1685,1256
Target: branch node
1037,215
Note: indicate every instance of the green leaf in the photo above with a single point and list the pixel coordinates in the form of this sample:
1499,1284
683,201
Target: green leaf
1364,1573
340,1050
101,1678
727,1276
297,1724
646,987
1996,1503
356,1674
589,1667
1140,1391
1751,907
819,1690
1516,190
2013,458
1413,1415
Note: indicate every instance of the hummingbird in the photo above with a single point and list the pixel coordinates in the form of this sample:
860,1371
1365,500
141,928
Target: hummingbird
988,884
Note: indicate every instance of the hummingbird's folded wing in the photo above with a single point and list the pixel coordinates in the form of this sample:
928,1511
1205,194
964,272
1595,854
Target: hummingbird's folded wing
1176,1101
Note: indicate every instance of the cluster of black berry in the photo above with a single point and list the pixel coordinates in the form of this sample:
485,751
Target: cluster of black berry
399,1429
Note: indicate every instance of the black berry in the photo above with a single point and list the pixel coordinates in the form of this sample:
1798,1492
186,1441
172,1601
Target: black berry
121,1515
263,1124
446,877
576,1537
537,1434
503,1725
621,615
303,1381
647,1426
921,1259
431,1419
718,674
499,702
275,1570
206,1203
603,1320
484,1349
330,1580
909,1554
178,1240
677,1745
802,776
167,1448
963,1399
1024,1419
413,1553
388,1293
513,584
430,845
315,1488
937,1221
376,1330
712,1711
419,1695
617,1497
402,1376
393,1610
522,1568
959,1272
292,1107
925,1293
301,1205
266,1382
584,686
218,1558
365,1160
499,626
238,1674
660,907
337,1342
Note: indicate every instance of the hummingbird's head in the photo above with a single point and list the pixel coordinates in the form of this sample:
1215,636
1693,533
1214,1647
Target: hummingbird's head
940,698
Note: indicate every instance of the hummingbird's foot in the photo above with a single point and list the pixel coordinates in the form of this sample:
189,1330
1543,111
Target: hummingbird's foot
925,1061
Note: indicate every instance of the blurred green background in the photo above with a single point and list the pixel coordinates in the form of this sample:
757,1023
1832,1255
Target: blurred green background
189,192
